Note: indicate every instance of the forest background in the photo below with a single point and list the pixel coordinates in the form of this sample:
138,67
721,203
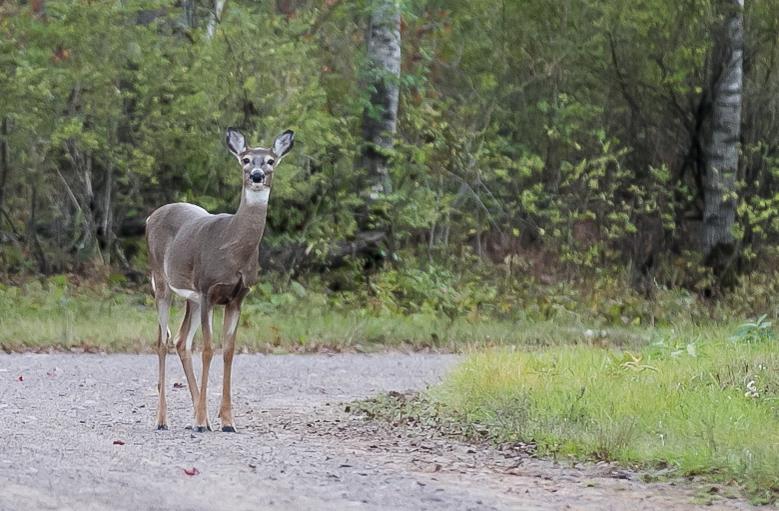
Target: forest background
599,163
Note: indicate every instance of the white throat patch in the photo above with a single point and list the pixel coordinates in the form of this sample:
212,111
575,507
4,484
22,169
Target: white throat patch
260,197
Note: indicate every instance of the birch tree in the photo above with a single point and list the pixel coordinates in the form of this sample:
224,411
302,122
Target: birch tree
215,17
380,117
722,141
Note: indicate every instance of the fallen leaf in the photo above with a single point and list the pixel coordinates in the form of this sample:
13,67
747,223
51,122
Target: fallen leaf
191,471
118,442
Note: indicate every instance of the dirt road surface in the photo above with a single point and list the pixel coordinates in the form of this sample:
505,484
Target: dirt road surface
76,433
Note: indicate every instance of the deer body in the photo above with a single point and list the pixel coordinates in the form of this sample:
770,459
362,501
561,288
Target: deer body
210,260
199,251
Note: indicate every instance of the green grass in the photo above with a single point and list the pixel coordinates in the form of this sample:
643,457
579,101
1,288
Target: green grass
416,307
683,401
57,315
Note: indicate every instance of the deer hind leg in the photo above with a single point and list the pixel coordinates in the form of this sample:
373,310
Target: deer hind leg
186,334
232,315
201,408
163,335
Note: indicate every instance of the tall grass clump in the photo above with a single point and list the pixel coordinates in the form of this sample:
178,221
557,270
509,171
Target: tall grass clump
699,403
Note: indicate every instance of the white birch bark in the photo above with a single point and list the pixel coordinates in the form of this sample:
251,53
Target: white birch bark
722,143
380,119
215,18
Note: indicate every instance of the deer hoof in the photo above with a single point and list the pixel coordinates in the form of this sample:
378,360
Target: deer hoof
228,429
201,429
162,427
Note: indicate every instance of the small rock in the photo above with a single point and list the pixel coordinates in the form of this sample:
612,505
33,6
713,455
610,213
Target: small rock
433,467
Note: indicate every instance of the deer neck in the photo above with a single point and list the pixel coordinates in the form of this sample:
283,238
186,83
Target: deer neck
248,223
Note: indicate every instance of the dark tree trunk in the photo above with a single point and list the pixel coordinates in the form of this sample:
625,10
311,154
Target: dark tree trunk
107,224
380,118
722,143
189,13
3,159
32,235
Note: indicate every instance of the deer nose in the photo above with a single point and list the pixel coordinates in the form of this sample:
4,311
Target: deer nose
257,176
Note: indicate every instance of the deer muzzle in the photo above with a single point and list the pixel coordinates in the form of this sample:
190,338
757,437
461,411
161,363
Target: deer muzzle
257,176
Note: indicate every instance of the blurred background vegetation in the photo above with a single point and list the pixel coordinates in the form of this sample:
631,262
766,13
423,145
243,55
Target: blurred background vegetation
512,159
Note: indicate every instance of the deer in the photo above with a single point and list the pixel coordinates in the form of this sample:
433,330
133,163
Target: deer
210,260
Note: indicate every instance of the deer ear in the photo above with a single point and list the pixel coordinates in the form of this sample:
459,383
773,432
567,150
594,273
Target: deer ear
283,143
236,142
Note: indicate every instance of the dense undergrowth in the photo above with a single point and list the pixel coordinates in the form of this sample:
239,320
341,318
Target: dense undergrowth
416,307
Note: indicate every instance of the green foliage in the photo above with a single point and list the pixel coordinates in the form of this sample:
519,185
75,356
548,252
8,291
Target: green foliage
573,148
758,330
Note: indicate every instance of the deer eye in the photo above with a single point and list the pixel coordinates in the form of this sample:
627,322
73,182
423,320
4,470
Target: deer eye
271,161
246,160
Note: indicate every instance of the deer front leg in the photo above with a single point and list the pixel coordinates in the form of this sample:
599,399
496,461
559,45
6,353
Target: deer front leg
163,308
186,334
232,315
201,408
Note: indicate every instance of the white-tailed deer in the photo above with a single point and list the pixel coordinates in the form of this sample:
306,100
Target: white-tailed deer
210,260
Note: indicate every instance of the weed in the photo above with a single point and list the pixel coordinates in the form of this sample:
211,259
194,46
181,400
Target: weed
758,330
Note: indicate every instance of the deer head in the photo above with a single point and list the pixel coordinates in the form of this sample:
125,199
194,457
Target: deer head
258,163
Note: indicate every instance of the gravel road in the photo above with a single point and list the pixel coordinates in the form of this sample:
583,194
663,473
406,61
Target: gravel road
76,432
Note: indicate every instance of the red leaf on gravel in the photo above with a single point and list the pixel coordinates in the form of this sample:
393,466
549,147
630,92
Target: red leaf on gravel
118,442
20,378
178,385
191,471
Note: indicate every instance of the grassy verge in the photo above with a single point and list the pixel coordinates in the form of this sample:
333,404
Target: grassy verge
56,315
42,315
430,307
706,404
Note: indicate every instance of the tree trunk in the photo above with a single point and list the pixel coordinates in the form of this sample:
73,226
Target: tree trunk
32,235
215,18
3,159
722,143
380,118
189,13
108,217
